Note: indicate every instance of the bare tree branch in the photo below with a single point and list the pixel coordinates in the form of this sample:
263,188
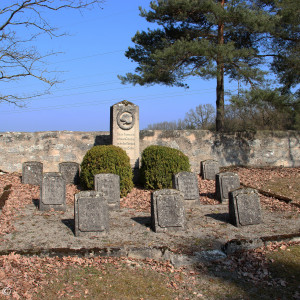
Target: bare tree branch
19,59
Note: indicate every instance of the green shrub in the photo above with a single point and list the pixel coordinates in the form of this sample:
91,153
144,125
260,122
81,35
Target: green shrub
106,159
159,163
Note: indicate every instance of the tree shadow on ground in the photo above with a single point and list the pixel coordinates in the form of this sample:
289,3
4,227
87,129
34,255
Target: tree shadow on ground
36,202
70,223
224,217
145,221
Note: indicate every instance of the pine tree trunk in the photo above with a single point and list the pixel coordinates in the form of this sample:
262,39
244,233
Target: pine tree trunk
220,78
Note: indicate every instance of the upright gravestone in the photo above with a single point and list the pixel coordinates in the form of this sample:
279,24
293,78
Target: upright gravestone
124,130
109,186
32,172
53,192
70,172
91,214
209,169
244,207
225,183
167,210
187,183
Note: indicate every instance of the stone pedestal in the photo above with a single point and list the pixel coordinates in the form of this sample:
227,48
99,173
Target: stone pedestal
124,130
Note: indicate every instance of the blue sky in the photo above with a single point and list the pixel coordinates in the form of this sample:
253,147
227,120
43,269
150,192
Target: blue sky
92,55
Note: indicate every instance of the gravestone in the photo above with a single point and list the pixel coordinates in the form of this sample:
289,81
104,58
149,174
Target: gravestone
91,214
187,183
109,185
70,172
32,172
244,207
167,210
209,169
225,183
124,130
53,192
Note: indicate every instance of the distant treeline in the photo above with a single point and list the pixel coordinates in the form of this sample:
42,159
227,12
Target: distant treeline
258,109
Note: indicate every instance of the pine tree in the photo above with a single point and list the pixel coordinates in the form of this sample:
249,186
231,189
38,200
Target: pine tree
286,43
205,38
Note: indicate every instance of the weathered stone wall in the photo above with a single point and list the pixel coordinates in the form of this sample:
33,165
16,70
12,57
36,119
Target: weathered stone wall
256,149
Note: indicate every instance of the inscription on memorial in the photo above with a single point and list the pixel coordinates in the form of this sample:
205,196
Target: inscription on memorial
91,214
109,185
91,217
167,210
225,183
53,192
244,207
124,129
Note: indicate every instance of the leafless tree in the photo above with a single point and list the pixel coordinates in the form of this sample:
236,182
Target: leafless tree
202,117
19,58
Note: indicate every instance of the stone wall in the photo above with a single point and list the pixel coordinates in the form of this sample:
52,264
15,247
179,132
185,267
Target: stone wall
256,149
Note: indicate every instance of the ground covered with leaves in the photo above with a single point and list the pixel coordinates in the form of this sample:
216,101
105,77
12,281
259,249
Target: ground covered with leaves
269,272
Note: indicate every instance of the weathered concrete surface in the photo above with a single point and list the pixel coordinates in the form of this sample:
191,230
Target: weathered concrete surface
264,148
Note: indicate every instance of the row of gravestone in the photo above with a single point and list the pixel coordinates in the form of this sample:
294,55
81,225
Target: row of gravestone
167,206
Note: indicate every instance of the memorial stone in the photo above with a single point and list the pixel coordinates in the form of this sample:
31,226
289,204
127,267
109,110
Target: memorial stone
109,185
124,130
225,183
70,172
167,210
187,183
209,169
244,207
91,214
53,192
32,172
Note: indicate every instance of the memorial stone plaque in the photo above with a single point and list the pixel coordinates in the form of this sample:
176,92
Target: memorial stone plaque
225,183
244,207
70,172
209,169
124,129
109,185
91,214
32,172
187,183
167,210
53,192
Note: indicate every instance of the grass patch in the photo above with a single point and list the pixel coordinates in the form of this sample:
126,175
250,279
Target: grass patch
286,267
110,282
288,187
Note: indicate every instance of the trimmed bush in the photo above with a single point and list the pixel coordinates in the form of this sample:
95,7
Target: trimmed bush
106,159
159,163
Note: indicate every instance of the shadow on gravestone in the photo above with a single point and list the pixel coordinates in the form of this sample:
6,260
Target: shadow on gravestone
70,172
209,169
225,183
